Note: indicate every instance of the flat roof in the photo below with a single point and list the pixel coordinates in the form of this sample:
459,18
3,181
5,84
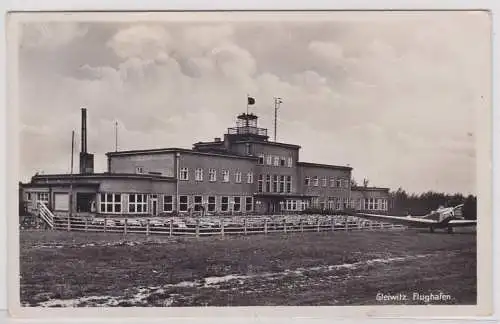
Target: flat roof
178,150
98,176
362,188
269,143
326,166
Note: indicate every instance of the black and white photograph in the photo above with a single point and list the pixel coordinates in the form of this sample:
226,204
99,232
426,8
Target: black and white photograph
229,159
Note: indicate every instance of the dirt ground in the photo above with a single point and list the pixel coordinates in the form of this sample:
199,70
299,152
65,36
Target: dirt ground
341,268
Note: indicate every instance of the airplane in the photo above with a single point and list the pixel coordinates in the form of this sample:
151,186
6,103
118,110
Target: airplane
442,217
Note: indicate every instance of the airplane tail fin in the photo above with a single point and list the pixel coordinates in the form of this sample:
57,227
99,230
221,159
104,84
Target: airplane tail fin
457,211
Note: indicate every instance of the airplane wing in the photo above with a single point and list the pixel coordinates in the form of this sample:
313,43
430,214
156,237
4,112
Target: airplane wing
407,221
462,222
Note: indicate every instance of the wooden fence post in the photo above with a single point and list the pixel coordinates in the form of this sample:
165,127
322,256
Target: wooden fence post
332,219
147,227
245,226
359,224
284,225
69,223
105,223
318,222
197,227
301,223
222,227
125,226
171,227
265,226
86,224
346,224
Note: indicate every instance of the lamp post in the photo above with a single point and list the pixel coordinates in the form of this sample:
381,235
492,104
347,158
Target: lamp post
258,203
205,208
231,206
281,207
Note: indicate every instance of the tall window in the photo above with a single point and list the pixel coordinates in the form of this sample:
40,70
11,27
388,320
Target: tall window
260,183
139,169
237,204
225,175
324,182
211,204
332,182
111,203
198,201
315,181
339,183
282,183
168,203
288,184
261,159
224,204
268,183
250,177
282,161
237,177
43,197
346,183
275,183
184,174
307,181
269,160
289,162
248,203
212,175
183,203
198,174
137,203
276,161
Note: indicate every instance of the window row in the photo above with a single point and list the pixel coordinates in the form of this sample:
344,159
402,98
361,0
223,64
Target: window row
373,204
138,203
274,183
212,175
295,205
279,161
334,183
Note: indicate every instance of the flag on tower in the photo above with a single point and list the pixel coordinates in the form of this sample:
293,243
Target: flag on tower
251,100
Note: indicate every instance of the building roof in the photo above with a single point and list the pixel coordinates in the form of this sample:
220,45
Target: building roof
99,176
269,143
179,150
362,188
326,166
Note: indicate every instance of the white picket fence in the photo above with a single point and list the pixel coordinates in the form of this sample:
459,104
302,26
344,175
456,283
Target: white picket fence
176,226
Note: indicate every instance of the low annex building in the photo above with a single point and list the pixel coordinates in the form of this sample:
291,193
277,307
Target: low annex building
242,173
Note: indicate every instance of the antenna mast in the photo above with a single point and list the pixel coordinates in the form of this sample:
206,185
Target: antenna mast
72,149
116,136
277,102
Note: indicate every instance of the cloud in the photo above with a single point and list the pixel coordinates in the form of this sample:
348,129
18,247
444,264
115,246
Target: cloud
50,36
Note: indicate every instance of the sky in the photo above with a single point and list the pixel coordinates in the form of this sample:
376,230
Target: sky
393,95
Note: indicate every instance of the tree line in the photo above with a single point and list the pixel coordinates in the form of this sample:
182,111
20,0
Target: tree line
403,203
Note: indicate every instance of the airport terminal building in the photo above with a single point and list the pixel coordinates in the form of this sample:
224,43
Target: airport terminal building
241,173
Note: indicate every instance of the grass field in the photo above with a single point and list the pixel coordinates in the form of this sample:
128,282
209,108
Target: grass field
341,268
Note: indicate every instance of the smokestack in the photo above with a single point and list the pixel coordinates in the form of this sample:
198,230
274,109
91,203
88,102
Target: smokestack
84,131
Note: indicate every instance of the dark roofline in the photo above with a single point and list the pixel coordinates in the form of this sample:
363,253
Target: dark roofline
209,143
326,166
269,143
104,175
362,188
178,150
59,184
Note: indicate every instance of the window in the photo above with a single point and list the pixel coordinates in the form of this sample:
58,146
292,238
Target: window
61,201
43,197
315,181
269,160
198,201
137,203
261,159
289,162
282,161
260,183
184,174
139,169
248,203
211,203
338,203
371,204
224,204
237,176
28,196
225,176
268,183
282,183
237,204
332,182
212,175
168,204
339,183
183,203
323,182
111,203
346,183
276,161
288,184
275,183
250,177
198,174
307,181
